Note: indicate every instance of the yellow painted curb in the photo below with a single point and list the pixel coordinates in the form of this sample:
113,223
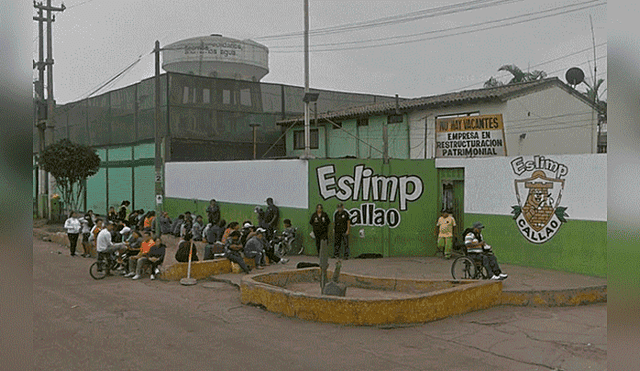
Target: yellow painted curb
201,269
448,298
556,298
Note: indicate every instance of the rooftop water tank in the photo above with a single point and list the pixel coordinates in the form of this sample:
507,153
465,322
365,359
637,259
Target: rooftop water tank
217,56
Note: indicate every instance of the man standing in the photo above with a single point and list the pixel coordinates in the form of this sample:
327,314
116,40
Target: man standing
271,217
320,222
213,212
341,229
73,227
444,230
478,250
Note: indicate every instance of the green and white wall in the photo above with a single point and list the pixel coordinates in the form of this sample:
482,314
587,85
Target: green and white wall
579,245
126,173
394,207
238,187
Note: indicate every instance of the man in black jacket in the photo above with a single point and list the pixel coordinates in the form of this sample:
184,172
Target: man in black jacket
320,222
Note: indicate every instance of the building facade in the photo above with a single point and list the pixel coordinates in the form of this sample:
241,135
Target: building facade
543,116
203,119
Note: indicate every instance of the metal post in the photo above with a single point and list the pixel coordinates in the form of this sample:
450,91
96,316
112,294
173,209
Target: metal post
159,132
41,115
307,131
254,127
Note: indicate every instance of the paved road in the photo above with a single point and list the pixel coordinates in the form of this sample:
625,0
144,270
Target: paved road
120,324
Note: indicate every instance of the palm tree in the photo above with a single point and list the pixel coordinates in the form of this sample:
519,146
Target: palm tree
518,76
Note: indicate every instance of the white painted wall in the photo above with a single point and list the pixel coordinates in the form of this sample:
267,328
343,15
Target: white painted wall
241,182
555,122
489,185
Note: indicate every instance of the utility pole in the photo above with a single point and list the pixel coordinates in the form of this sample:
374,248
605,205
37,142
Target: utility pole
254,127
159,139
45,113
307,130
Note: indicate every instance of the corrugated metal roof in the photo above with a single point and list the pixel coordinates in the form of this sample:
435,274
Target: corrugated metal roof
500,93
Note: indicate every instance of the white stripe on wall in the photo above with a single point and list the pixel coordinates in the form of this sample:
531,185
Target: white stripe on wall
489,184
241,182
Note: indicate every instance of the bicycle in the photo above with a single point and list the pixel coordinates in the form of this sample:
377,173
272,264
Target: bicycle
285,244
107,262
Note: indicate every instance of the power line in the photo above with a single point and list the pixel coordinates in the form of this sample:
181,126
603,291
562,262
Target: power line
109,80
448,35
402,18
539,64
82,3
437,31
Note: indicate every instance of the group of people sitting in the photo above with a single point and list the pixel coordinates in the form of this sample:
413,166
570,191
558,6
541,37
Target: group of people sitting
129,236
232,241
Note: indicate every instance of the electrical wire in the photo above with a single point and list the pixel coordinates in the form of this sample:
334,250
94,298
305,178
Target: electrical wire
436,31
443,36
401,18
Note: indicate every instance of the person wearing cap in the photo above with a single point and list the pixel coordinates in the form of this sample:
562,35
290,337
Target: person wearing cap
341,229
269,251
247,232
232,250
444,229
478,250
213,212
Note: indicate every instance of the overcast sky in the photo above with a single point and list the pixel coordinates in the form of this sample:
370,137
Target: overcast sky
96,39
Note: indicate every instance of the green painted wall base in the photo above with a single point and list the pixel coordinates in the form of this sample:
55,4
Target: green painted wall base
578,247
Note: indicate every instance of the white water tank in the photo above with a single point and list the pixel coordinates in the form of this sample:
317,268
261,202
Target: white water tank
217,56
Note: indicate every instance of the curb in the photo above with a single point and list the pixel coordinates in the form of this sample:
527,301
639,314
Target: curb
556,298
426,300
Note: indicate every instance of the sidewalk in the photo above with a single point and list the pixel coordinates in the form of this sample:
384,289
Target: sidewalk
520,278
526,285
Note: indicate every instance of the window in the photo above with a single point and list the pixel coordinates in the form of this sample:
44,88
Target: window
363,121
226,97
245,97
394,119
206,96
298,139
185,95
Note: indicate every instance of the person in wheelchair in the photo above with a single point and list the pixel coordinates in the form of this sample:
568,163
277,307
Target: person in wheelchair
478,250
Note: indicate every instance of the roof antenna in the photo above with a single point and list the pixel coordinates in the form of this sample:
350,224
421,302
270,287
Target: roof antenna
397,105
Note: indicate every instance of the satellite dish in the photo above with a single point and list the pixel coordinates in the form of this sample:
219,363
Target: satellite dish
574,76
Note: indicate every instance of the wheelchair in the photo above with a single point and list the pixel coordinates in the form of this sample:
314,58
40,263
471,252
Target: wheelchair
466,268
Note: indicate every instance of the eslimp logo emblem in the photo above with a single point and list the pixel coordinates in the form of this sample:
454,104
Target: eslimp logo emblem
538,214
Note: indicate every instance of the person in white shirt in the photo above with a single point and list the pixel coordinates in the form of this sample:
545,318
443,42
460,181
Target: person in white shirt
73,227
104,245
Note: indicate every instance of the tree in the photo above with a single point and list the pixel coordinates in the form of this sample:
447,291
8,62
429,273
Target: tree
70,164
518,76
